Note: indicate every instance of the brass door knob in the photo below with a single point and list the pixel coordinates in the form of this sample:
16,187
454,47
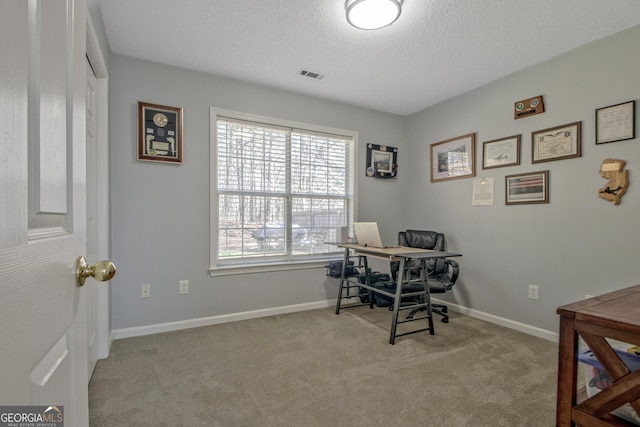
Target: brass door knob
101,270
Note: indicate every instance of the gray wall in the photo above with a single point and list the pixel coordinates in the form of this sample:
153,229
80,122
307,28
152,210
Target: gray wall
578,243
160,213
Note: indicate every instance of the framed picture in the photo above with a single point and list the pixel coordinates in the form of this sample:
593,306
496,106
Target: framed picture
501,152
616,122
562,142
453,158
159,133
526,188
382,161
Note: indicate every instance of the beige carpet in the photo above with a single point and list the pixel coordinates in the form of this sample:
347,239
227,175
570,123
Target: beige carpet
317,369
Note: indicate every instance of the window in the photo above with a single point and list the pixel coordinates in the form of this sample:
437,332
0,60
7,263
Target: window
279,190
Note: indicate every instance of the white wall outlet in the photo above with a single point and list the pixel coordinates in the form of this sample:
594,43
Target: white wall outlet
534,292
183,287
145,291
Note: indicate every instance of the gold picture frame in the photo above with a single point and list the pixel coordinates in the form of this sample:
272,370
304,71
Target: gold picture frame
453,158
159,133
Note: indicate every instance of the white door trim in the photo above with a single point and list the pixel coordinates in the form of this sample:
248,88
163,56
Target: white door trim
96,58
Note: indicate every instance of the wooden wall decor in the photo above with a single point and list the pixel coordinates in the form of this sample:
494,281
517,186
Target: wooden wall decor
528,107
618,180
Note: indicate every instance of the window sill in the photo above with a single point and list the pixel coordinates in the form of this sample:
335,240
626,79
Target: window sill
267,268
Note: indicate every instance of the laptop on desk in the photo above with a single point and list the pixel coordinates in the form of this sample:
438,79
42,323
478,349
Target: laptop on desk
367,234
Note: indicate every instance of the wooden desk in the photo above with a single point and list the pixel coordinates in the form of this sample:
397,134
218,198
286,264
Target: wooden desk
396,253
615,315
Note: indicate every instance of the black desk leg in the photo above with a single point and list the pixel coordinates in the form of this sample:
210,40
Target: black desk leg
342,279
427,295
396,302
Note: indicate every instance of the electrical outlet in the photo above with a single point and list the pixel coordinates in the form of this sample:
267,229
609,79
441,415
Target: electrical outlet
534,292
145,291
183,287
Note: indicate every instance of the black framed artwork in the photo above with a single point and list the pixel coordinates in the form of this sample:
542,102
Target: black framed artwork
382,161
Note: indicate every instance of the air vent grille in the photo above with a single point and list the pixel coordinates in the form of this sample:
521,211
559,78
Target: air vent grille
311,74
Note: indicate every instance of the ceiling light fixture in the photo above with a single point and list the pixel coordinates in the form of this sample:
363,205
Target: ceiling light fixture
373,14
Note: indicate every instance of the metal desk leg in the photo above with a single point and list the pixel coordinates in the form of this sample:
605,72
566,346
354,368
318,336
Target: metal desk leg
427,296
396,302
342,279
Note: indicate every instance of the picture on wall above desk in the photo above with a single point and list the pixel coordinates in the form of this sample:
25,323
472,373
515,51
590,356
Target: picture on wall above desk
453,158
562,142
159,133
382,161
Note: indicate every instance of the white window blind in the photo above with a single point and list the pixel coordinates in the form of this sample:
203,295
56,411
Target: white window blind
281,192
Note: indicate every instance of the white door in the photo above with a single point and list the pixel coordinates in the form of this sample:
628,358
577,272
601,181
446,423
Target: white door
43,348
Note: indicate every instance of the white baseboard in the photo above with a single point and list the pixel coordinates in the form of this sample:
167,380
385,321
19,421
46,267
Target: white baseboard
233,317
216,320
511,324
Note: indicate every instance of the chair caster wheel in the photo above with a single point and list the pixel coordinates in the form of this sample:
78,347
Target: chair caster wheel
445,320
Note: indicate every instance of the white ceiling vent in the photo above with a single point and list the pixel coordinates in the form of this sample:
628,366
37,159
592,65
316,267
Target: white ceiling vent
311,74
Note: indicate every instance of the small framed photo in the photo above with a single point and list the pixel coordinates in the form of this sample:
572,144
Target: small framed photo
453,158
159,133
382,161
501,152
616,122
562,142
527,188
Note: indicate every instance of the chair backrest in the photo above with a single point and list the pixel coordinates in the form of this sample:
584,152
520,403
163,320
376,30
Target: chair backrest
425,240
421,239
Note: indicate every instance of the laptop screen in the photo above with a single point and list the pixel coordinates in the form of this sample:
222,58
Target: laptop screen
367,234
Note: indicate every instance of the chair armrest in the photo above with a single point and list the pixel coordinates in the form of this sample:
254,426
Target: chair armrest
394,266
455,269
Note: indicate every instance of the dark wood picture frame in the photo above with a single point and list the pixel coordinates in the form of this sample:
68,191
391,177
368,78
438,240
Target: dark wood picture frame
159,133
500,153
527,188
556,143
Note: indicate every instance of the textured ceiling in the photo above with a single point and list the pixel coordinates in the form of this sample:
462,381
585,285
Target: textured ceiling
436,50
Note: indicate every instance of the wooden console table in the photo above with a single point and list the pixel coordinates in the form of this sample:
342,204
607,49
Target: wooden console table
615,315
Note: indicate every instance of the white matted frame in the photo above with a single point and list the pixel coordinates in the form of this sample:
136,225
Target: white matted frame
453,158
616,122
557,143
502,152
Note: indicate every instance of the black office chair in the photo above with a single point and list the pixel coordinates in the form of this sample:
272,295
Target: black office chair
442,273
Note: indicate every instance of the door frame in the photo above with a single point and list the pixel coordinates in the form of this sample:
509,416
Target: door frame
103,247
